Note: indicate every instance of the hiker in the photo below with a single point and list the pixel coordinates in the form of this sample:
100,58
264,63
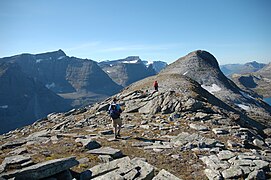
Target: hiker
155,85
114,111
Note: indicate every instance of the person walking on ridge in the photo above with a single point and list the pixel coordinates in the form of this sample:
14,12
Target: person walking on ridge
155,85
114,110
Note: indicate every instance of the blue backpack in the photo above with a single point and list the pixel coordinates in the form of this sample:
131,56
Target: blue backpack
114,111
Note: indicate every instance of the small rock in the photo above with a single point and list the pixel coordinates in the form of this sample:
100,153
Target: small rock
163,174
198,127
144,122
267,132
88,143
258,142
176,156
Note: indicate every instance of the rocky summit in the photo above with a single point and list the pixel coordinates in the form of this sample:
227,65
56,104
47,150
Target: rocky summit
202,67
181,131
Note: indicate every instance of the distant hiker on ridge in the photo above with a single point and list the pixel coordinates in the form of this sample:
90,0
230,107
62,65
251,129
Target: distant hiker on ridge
155,85
114,111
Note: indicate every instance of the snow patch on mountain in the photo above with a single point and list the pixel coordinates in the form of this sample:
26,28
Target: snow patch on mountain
61,57
130,62
245,107
4,107
246,95
210,89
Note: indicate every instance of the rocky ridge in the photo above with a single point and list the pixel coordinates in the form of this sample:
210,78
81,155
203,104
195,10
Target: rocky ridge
179,132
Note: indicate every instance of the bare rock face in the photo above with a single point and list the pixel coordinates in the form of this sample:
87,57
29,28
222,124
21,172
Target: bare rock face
24,99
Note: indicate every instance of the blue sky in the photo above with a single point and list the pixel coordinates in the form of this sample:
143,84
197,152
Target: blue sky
234,31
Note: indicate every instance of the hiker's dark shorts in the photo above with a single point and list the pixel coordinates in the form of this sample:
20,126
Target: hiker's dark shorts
116,122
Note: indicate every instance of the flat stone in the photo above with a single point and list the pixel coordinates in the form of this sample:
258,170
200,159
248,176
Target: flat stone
232,172
163,174
146,170
106,132
198,127
214,163
88,143
260,164
251,157
43,170
12,144
17,159
18,151
114,153
159,146
141,144
225,155
242,162
108,167
194,139
213,174
129,126
38,135
70,135
220,131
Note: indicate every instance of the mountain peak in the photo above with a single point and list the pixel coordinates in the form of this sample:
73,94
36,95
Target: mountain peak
54,54
205,56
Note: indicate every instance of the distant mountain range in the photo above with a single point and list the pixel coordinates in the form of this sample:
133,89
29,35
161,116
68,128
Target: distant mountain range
259,81
131,69
229,69
53,82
